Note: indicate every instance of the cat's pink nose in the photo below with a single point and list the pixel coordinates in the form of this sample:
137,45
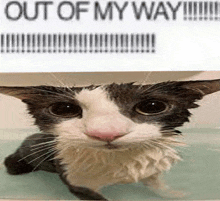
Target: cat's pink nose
107,127
104,136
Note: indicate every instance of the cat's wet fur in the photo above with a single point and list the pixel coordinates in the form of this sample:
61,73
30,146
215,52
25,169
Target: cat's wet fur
103,135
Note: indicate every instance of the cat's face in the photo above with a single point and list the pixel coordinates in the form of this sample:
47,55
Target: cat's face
115,116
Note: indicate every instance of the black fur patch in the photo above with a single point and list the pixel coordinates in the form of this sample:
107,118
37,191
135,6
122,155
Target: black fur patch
127,96
39,100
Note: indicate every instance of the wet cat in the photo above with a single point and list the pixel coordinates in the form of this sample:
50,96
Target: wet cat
103,135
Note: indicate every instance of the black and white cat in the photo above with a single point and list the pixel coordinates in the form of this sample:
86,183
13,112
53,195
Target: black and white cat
102,135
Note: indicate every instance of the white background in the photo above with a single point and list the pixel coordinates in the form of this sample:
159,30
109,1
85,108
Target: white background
180,45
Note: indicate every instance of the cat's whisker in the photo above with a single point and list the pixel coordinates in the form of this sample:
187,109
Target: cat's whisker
73,139
43,146
69,96
62,83
44,160
32,149
165,144
39,138
146,78
42,143
56,78
52,158
54,140
64,93
33,153
48,133
153,87
147,90
198,90
68,147
51,150
68,90
38,148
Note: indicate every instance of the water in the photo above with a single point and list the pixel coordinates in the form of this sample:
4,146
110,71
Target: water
198,175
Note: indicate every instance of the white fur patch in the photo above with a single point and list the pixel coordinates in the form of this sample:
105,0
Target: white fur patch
140,153
95,168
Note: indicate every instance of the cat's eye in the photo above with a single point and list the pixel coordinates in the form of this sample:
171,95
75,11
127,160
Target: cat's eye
151,107
65,110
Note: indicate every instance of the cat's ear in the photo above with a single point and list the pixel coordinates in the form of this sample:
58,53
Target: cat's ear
18,92
203,87
29,92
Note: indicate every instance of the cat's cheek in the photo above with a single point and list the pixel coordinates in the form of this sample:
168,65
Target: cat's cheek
70,129
71,133
141,133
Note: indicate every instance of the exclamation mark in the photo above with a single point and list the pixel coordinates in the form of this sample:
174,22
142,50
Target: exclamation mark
200,10
185,10
54,43
101,42
49,42
23,43
148,42
44,43
195,10
18,42
91,43
2,42
80,43
96,43
205,10
190,10
153,41
132,43
33,42
116,42
126,42
137,42
211,10
216,10
38,43
12,43
70,42
85,42
106,42
122,36
28,43
64,43
59,42
7,43
111,42
142,43
75,39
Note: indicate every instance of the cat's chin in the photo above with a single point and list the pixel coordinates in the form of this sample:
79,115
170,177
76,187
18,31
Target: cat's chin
113,147
109,147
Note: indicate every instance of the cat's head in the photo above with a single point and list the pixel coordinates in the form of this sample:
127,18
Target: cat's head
114,115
